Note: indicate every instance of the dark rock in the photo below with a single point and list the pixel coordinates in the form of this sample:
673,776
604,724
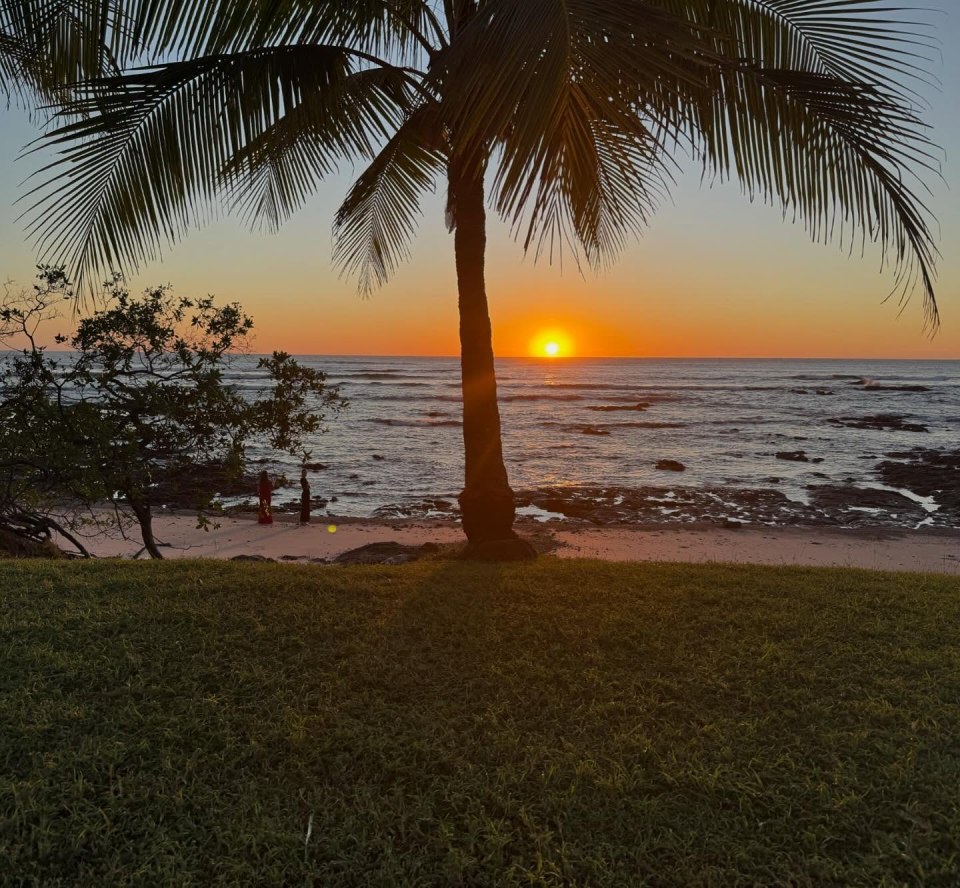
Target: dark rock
258,559
670,465
354,477
378,457
834,496
192,487
500,550
823,392
881,422
610,408
385,553
934,473
315,467
877,387
593,430
793,456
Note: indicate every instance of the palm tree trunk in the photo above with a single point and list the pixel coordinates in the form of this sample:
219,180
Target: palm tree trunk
486,502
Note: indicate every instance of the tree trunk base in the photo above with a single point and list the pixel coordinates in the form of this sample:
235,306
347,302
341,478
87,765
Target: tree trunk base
488,524
487,514
514,549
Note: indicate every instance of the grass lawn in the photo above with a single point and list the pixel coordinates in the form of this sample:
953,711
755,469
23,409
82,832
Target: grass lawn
573,723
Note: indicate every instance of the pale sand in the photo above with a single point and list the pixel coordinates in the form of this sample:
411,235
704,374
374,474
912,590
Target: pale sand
877,549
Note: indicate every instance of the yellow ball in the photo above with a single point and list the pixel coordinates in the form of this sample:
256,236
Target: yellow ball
332,528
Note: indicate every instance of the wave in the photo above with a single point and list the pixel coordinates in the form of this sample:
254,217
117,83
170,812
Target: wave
604,427
643,425
403,384
392,375
541,397
825,376
416,423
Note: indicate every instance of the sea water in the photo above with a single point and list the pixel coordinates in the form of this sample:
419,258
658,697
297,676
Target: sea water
572,423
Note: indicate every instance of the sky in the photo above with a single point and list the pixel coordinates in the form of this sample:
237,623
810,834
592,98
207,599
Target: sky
714,276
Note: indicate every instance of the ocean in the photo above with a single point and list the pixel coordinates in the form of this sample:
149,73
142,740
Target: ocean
594,431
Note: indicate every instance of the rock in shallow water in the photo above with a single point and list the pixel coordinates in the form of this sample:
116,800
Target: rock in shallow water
671,465
931,473
793,456
881,422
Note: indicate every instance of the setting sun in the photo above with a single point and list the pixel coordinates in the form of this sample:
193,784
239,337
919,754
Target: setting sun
551,343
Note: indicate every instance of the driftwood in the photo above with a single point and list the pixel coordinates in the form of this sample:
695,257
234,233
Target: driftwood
26,534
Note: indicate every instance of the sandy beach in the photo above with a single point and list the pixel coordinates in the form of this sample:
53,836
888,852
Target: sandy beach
936,551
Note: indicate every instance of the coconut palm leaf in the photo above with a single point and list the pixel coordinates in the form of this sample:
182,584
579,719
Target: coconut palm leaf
758,88
271,176
824,132
378,218
191,28
145,158
47,45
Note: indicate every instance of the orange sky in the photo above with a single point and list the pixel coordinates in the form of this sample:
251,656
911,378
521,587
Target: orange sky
715,276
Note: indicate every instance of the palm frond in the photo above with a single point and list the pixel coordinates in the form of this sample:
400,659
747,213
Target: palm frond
378,218
802,100
579,162
829,134
48,45
856,41
191,28
271,176
144,159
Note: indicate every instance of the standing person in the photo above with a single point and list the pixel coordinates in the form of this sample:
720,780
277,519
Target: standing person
304,497
265,492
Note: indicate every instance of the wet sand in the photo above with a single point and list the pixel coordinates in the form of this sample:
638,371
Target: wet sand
926,550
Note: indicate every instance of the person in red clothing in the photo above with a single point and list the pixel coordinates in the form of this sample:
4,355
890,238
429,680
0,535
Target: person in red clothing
304,497
265,491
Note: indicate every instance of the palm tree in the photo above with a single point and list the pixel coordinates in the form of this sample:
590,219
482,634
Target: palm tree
562,116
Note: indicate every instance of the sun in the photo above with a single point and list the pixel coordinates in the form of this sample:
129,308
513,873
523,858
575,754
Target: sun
552,342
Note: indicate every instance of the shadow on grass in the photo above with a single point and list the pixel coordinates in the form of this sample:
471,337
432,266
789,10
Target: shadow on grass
449,723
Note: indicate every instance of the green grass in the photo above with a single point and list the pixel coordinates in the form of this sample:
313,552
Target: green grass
446,724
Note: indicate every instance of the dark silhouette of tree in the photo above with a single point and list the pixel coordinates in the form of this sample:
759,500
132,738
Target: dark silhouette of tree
137,412
562,116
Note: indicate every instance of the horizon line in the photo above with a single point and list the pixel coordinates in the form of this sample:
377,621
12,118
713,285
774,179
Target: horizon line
562,358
